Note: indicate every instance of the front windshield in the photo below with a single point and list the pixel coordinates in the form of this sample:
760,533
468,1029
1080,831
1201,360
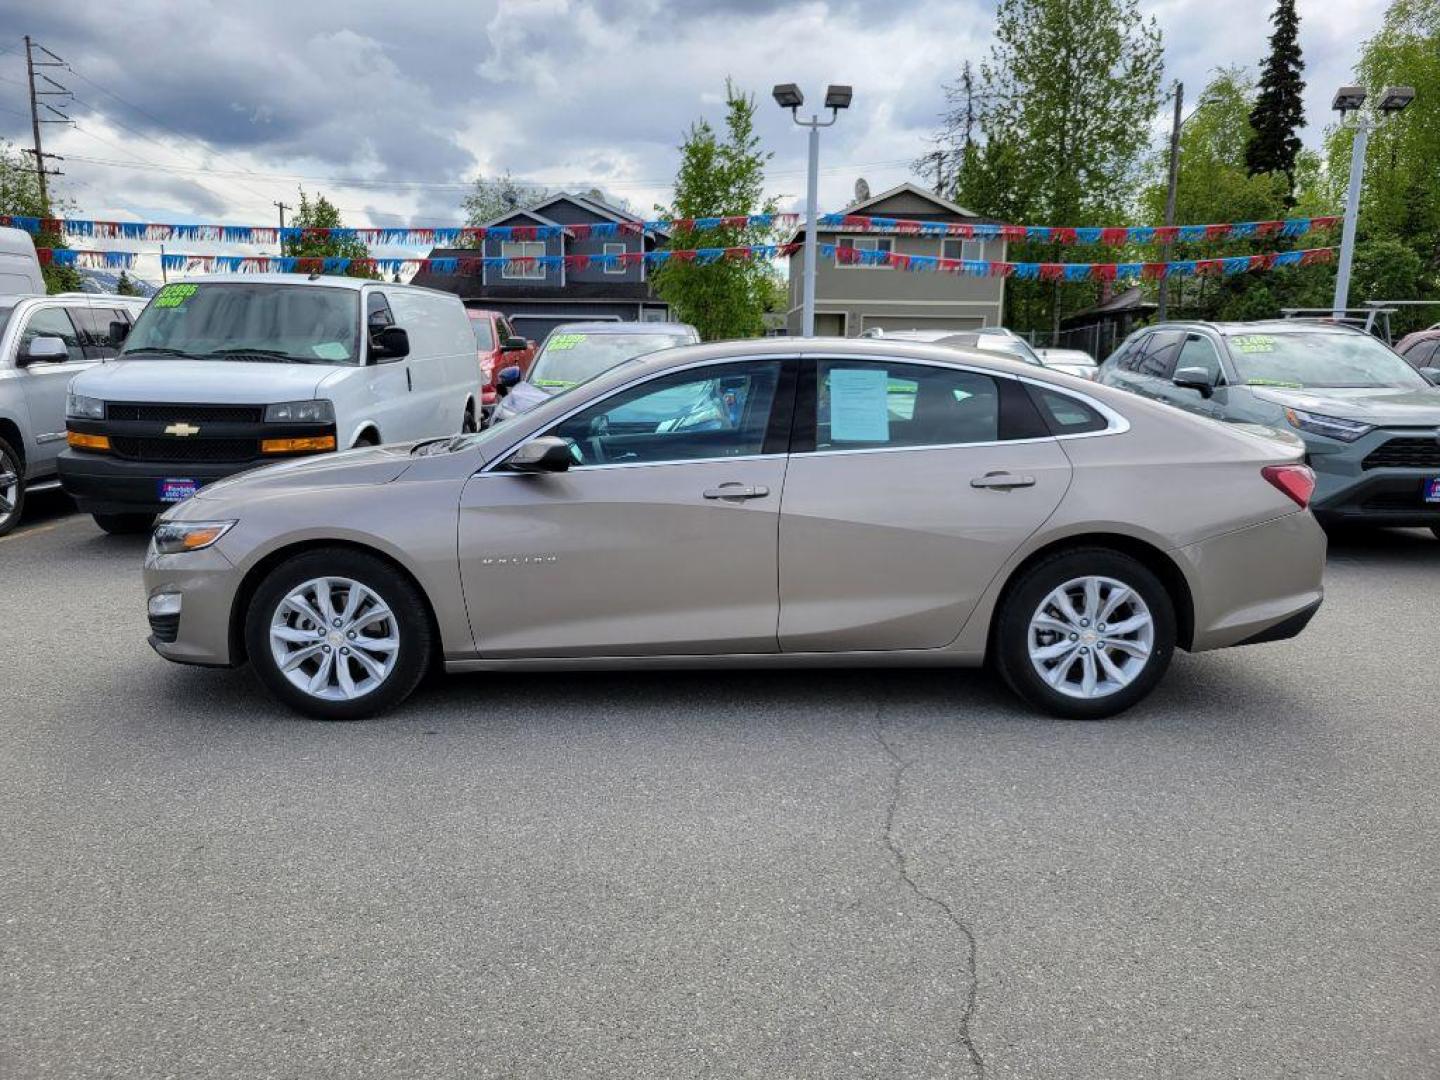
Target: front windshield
312,324
1319,359
568,359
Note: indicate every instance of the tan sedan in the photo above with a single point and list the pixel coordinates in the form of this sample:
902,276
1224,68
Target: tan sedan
822,502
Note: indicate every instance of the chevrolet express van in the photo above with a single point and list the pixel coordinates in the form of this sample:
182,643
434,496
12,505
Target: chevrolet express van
226,373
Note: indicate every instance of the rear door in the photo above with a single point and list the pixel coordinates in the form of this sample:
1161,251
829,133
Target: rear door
661,540
44,384
1150,372
910,486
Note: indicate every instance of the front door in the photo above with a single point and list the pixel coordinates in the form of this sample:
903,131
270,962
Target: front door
919,487
660,540
45,385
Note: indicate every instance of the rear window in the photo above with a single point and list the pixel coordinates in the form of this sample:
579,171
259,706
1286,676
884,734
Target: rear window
1066,415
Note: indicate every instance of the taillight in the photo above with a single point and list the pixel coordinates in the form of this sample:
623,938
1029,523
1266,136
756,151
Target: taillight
1297,481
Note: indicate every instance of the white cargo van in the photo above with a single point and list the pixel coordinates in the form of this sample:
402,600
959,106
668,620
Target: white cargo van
225,373
19,265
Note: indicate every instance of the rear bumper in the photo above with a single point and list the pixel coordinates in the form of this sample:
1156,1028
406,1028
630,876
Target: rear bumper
102,484
1257,584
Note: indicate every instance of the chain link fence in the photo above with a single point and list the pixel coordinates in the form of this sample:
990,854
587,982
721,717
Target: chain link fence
1097,339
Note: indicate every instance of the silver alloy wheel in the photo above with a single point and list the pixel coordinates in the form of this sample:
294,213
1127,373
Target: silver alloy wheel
334,638
9,487
1091,637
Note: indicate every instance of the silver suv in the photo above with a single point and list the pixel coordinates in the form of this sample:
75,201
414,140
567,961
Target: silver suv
45,341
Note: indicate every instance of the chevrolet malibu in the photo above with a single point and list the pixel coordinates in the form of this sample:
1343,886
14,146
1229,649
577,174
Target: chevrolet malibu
824,502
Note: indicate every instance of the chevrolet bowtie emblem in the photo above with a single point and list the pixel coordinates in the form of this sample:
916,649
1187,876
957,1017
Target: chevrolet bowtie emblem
182,428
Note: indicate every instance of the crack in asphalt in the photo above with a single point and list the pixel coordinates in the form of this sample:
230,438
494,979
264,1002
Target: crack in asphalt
899,767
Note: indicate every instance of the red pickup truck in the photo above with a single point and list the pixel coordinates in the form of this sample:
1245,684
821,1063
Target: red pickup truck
494,339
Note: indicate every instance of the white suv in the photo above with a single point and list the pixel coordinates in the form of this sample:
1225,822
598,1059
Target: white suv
45,341
226,373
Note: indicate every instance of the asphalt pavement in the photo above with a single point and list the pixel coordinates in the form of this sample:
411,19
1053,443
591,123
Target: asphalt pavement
820,874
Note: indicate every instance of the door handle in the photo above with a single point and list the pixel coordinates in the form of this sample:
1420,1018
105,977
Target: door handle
735,490
1002,481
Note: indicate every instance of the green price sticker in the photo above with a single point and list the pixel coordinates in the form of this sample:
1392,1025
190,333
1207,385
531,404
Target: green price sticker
174,295
1254,343
562,342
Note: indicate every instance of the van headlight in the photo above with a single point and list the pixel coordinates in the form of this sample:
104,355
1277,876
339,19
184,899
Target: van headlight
314,411
175,537
80,407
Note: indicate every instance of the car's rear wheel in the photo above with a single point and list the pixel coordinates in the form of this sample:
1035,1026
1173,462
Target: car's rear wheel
12,488
338,634
125,524
1085,634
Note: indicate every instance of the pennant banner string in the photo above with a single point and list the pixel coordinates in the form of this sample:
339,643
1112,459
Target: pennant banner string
843,256
1114,236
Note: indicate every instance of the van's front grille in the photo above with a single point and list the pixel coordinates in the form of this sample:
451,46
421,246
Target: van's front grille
132,448
165,413
1406,452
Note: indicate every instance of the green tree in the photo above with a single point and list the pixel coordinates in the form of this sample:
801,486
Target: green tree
495,196
1279,110
320,213
1064,108
1401,197
126,286
20,196
719,176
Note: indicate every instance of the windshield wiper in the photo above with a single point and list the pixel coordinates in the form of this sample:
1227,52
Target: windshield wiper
156,350
263,354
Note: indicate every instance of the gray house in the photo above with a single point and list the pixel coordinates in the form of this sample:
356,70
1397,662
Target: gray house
537,298
851,298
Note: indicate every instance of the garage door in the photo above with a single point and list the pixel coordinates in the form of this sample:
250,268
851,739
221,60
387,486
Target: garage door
922,322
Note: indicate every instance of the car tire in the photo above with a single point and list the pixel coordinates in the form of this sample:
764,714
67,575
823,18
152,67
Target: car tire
12,487
468,426
277,631
125,524
1100,673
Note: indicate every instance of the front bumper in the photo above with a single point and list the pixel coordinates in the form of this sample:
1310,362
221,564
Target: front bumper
206,582
1346,492
102,484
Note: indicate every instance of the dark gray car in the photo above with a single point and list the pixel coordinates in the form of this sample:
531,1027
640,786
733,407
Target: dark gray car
1370,422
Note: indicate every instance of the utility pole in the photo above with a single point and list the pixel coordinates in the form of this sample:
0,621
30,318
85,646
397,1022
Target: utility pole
1164,298
41,172
280,236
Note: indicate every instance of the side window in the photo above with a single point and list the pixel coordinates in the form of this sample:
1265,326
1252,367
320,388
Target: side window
1161,354
484,338
1423,355
1128,355
716,411
51,322
1066,415
874,404
377,312
506,330
1197,352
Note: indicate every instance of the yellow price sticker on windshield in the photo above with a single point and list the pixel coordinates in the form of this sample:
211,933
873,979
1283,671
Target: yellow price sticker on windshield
1253,343
175,295
562,342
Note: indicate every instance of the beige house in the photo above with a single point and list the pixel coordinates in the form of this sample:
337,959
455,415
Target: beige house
851,298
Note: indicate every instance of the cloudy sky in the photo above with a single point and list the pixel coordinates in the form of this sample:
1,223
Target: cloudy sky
211,111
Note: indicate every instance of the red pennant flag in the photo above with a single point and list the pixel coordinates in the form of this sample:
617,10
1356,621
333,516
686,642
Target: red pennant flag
1210,267
1103,271
1262,262
1154,271
1268,228
1115,237
1216,232
1324,222
683,256
1065,234
1166,234
1053,271
630,258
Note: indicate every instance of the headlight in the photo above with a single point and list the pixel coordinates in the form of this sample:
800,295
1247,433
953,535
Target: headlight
174,537
80,407
1332,427
316,411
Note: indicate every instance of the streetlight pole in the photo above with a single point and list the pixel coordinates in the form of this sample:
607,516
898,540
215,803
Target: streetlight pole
788,96
1164,298
1348,99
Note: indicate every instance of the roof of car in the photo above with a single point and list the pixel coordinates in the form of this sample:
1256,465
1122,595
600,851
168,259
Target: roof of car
328,281
1260,326
614,327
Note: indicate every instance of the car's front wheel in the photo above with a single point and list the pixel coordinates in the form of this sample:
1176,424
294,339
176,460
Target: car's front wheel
338,634
1085,634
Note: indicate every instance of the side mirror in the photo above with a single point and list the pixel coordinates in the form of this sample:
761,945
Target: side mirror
44,350
514,344
391,343
544,454
1195,378
119,331
507,377
1431,373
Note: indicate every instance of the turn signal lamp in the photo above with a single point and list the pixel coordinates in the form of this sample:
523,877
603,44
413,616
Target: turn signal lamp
310,444
81,441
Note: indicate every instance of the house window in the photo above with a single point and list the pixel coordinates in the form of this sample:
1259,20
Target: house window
615,249
973,250
862,243
531,271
